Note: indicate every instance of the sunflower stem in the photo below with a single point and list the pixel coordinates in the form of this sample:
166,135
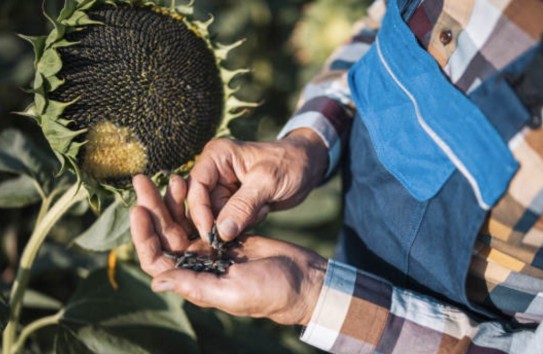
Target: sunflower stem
38,187
34,326
73,195
48,200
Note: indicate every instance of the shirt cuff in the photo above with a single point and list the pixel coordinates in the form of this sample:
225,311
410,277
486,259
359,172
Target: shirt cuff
321,126
351,312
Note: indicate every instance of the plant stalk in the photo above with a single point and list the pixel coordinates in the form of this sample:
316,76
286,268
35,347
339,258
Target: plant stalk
48,200
34,326
73,195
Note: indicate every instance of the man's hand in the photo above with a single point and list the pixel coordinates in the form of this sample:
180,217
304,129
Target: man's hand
270,278
165,217
238,183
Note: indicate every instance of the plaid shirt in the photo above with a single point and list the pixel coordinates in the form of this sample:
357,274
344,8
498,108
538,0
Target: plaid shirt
358,312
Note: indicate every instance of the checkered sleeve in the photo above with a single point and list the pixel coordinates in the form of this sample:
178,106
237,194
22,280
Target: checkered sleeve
360,313
325,105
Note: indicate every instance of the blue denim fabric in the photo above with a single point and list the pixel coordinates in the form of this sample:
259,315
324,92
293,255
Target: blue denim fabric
420,235
421,245
422,127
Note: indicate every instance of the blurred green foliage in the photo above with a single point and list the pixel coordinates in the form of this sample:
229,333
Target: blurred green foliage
287,42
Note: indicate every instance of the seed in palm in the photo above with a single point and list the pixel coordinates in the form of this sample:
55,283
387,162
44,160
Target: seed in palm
217,263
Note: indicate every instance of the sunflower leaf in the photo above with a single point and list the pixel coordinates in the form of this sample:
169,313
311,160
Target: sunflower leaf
38,81
130,319
54,83
63,43
55,109
57,33
63,163
11,164
68,9
187,9
67,342
222,50
39,99
79,18
229,75
38,43
54,36
50,63
37,300
95,201
29,112
18,192
60,137
19,155
110,230
4,313
86,4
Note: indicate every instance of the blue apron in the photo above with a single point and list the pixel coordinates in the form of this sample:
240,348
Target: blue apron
424,163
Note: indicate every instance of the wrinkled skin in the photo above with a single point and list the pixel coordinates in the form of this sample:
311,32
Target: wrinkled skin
238,183
271,279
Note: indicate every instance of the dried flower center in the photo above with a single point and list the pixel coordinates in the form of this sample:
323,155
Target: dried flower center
146,71
113,151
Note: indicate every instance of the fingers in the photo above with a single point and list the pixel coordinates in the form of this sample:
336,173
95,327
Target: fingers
199,288
277,280
233,180
202,181
246,207
147,242
203,289
175,202
175,198
172,235
220,197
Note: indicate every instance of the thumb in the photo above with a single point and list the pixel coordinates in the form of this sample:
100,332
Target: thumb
246,207
199,288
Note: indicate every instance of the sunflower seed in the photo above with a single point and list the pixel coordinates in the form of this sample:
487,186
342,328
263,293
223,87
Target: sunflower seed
217,263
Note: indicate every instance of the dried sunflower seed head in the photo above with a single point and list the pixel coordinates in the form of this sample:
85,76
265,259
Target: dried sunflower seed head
124,87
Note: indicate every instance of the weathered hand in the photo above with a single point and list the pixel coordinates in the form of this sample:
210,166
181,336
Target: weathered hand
271,279
237,183
166,217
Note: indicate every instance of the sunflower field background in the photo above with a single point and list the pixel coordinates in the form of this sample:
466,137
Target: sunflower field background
70,305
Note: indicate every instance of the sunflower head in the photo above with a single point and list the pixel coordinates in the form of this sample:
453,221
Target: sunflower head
124,87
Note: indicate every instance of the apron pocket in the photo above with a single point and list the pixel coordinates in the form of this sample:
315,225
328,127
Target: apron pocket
401,144
423,127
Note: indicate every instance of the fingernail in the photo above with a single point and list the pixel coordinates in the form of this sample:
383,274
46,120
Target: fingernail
172,184
174,179
228,229
162,286
262,213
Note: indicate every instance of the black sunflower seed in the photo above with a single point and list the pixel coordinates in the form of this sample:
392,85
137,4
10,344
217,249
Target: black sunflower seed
217,263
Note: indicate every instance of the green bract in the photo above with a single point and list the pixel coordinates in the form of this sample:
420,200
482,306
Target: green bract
124,87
